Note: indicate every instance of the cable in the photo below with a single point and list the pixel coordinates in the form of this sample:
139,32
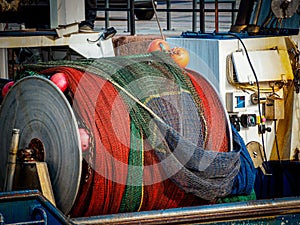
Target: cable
275,129
276,141
256,81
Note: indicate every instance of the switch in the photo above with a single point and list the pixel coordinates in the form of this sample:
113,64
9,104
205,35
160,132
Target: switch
248,120
236,101
235,121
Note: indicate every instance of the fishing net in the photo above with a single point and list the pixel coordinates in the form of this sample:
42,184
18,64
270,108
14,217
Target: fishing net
160,134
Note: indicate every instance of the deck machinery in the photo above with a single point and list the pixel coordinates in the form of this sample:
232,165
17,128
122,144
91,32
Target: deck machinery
255,70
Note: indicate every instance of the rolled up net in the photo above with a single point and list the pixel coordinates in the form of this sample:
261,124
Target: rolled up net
160,134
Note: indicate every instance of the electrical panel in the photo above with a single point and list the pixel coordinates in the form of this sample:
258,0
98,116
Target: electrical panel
224,62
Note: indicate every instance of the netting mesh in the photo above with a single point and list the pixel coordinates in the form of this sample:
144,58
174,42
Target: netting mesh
154,126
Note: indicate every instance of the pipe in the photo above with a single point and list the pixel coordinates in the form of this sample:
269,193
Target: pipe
169,14
12,158
202,16
131,17
106,12
243,16
257,13
194,16
237,211
217,16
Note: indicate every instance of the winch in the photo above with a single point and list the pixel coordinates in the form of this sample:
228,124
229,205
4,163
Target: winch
141,139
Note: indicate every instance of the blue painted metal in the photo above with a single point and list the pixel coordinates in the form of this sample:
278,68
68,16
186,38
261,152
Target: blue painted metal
28,207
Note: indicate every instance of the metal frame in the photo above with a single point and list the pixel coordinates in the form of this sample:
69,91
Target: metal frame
22,205
202,10
88,45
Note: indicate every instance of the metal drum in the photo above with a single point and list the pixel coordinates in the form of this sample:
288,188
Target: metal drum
41,111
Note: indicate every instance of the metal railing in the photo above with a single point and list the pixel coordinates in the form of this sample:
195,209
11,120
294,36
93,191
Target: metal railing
194,10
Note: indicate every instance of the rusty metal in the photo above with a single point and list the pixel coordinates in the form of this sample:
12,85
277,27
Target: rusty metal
217,16
255,150
26,155
34,152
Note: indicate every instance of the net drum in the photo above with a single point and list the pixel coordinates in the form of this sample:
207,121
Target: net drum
149,134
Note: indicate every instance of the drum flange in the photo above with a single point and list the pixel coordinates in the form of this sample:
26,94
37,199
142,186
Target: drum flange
41,111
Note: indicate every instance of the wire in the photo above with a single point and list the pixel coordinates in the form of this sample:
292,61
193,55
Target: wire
257,85
276,141
256,81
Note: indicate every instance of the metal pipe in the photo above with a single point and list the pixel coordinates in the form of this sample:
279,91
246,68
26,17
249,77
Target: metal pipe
12,158
244,13
217,15
243,16
237,211
191,10
194,18
232,12
40,214
168,15
132,18
256,15
170,10
128,16
202,16
106,13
